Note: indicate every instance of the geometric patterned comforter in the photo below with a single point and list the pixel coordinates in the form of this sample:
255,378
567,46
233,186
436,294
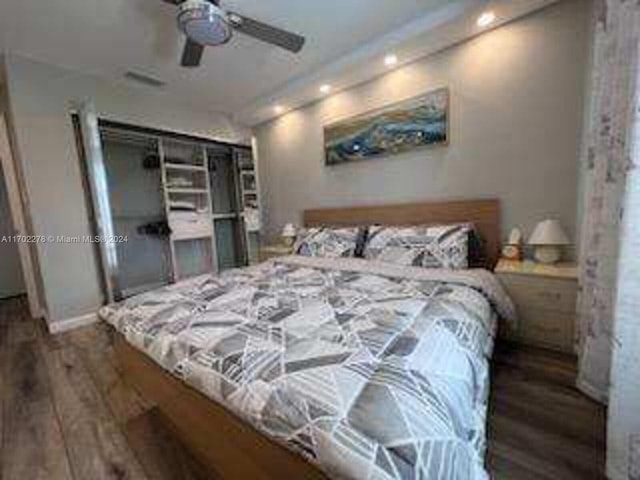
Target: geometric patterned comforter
369,370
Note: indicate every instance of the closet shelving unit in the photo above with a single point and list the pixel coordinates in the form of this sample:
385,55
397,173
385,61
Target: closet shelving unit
248,199
187,200
248,190
230,226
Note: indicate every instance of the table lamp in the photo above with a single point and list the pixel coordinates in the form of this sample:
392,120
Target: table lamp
289,234
548,238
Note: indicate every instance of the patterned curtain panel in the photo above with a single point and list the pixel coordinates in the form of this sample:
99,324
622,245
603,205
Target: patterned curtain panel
623,455
624,403
608,161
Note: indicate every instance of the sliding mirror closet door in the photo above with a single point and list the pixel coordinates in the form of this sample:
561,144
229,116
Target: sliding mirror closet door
133,175
229,229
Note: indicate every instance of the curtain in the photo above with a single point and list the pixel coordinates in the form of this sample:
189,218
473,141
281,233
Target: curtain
607,159
623,443
623,459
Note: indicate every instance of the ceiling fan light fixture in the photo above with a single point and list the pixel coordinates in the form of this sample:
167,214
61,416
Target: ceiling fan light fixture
204,22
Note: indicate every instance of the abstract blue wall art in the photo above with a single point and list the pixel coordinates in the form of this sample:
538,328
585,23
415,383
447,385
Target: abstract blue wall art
420,122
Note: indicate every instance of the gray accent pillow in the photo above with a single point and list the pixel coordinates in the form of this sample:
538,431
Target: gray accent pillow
432,246
327,242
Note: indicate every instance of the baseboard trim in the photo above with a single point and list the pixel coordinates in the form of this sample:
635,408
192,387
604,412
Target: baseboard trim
72,323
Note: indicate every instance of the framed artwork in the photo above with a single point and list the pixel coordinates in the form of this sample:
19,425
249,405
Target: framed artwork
416,123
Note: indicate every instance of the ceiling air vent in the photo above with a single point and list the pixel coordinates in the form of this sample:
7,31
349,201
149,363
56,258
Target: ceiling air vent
143,79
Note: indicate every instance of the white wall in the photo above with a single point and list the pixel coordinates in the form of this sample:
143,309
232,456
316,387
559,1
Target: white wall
11,282
40,100
516,111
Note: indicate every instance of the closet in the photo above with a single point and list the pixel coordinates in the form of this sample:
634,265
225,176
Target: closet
178,206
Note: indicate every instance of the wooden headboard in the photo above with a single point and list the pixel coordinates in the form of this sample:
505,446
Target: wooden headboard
484,214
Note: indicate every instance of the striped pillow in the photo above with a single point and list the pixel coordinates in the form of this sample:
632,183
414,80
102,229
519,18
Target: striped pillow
436,246
327,242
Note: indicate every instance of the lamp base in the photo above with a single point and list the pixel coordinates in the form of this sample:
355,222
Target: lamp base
547,254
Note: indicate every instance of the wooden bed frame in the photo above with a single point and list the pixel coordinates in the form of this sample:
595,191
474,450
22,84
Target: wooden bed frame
484,214
229,447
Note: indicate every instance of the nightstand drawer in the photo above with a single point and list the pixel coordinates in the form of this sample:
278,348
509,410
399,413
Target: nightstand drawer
542,293
273,251
547,328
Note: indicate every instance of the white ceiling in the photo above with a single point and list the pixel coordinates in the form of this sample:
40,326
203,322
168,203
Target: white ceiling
108,37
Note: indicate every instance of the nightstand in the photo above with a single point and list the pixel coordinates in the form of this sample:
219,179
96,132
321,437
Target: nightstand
545,300
272,251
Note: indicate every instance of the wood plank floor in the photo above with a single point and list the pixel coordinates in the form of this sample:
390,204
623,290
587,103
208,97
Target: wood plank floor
66,413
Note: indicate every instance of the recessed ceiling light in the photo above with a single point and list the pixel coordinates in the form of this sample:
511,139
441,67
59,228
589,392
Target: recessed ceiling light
486,18
325,88
390,60
278,109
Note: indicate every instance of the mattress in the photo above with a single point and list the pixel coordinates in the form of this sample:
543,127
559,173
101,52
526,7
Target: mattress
369,370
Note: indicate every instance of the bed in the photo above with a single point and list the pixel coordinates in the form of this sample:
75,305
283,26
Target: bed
305,367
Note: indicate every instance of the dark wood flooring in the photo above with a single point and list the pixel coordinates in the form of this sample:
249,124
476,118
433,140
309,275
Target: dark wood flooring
66,413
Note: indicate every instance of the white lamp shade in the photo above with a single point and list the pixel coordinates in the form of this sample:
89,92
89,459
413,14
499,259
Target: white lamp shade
289,230
549,232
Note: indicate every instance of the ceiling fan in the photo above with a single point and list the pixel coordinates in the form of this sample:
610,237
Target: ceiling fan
204,22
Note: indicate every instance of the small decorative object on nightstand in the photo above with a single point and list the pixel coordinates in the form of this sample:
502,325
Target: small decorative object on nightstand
545,299
548,238
289,234
513,249
271,251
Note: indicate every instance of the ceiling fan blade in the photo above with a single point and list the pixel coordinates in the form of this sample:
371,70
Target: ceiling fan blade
192,54
266,33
